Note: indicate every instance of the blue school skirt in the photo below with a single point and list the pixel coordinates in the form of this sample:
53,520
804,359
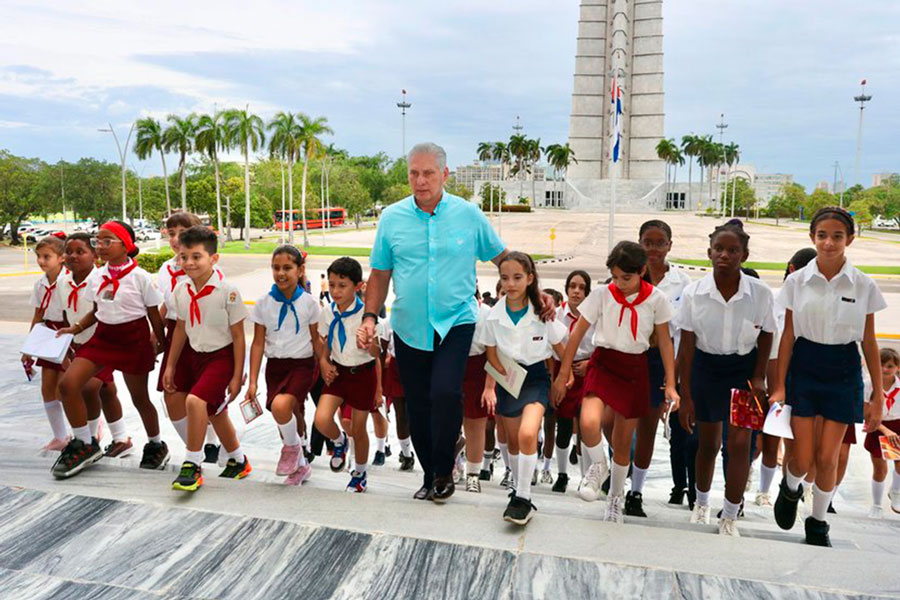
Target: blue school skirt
825,380
657,377
713,376
536,388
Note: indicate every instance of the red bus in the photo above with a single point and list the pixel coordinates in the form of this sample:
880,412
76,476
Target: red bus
335,218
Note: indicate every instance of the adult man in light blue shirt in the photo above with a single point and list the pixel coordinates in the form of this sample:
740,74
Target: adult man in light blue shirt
429,244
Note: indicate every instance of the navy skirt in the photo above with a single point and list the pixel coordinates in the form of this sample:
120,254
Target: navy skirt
536,388
657,377
826,380
713,376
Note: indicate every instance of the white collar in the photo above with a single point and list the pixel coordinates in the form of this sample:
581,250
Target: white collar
498,313
215,280
707,286
812,270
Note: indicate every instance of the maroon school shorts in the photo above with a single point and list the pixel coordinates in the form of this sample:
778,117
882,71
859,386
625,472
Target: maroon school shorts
205,375
620,380
872,444
355,386
292,376
122,347
391,386
473,386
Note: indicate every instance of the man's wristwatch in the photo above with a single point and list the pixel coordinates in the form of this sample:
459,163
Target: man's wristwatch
370,314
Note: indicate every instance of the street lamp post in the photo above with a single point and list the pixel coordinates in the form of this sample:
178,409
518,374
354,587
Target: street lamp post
403,105
122,156
722,126
862,98
140,193
837,168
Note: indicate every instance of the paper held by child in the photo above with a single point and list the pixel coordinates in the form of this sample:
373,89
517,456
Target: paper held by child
250,409
43,343
778,421
890,447
746,411
515,374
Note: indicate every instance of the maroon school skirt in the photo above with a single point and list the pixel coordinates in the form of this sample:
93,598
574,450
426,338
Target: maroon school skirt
170,331
391,386
473,387
570,407
292,376
355,386
123,347
46,364
872,444
621,380
850,434
205,375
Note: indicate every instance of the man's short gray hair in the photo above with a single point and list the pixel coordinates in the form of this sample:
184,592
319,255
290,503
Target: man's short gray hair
432,149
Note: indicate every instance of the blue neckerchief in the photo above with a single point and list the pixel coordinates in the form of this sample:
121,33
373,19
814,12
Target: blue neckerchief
285,303
338,322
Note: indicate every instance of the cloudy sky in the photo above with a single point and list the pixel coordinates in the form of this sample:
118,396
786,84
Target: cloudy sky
784,73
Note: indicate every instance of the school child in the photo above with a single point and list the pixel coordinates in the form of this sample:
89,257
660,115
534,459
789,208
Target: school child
655,237
513,328
100,392
51,259
626,313
547,435
123,299
323,290
829,308
475,412
352,376
726,320
392,388
285,328
206,358
890,428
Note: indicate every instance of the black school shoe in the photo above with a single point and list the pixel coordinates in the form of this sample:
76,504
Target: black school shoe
407,462
573,456
634,504
562,480
378,461
676,496
156,456
486,474
519,510
211,453
76,457
605,486
817,532
786,505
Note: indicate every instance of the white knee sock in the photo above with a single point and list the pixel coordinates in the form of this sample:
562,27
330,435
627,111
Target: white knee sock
194,457
514,469
730,510
180,428
289,434
504,452
895,481
486,461
57,417
94,425
562,460
702,497
406,446
119,431
638,476
821,500
82,433
380,444
586,456
596,453
547,463
360,467
237,455
473,468
766,475
617,480
877,492
527,462
793,481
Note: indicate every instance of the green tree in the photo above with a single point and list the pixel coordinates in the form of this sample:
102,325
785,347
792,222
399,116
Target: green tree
819,198
179,137
862,214
489,190
245,130
518,149
310,147
691,146
395,193
665,150
560,156
18,185
93,189
209,139
285,142
149,138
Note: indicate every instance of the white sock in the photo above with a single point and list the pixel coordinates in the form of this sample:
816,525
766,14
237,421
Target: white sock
194,457
57,417
211,437
302,462
156,438
303,441
877,492
821,500
895,481
596,453
617,479
547,463
793,481
504,452
237,455
730,510
527,463
82,433
702,497
586,456
406,446
486,462
638,476
360,468
380,443
562,460
289,434
94,424
766,475
340,439
180,428
473,468
119,431
514,469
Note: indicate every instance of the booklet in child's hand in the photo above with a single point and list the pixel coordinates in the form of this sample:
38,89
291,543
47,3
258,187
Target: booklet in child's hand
890,448
746,411
515,374
778,421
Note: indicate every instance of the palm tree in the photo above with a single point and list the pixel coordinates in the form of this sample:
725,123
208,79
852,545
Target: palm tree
149,137
501,153
485,153
701,152
310,146
664,150
179,136
519,149
246,131
677,159
286,133
209,138
560,158
710,155
690,145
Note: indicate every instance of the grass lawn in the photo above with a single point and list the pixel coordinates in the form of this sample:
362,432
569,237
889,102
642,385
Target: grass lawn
780,266
237,247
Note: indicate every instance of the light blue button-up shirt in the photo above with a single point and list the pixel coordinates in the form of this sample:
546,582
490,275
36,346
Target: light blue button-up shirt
433,261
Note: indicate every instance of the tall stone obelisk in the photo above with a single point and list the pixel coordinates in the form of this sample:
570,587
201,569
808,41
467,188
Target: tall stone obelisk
625,35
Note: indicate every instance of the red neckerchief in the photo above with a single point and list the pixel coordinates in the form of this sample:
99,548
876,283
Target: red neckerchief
114,280
194,308
890,399
48,295
174,275
618,296
574,320
73,295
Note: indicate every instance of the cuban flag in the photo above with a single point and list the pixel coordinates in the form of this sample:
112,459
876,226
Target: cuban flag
615,128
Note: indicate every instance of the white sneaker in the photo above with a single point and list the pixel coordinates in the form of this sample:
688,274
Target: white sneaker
700,514
894,497
546,477
876,512
472,483
614,512
763,499
590,485
728,527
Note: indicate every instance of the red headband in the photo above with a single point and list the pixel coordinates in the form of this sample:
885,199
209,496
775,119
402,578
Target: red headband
121,233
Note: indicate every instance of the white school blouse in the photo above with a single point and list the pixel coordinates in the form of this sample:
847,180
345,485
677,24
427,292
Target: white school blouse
527,342
72,301
47,293
477,347
350,355
778,308
130,301
219,310
287,342
831,312
386,333
601,310
673,285
729,327
891,399
586,347
165,286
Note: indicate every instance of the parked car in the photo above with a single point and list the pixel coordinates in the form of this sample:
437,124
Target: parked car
883,223
146,234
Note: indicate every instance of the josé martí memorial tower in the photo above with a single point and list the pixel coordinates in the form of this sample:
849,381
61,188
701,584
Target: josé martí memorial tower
622,41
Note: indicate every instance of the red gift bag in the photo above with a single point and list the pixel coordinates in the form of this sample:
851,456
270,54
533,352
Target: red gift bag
746,411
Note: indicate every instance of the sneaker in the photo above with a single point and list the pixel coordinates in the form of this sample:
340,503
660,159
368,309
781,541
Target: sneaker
357,483
339,456
590,485
288,461
308,454
55,445
407,462
546,477
156,456
211,453
700,514
75,457
831,508
506,482
894,497
634,504
604,489
676,496
473,484
534,478
189,479
236,470
573,456
519,510
299,476
119,448
817,532
378,460
614,512
486,474
786,505
387,450
763,499
460,469
562,481
728,527
876,512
